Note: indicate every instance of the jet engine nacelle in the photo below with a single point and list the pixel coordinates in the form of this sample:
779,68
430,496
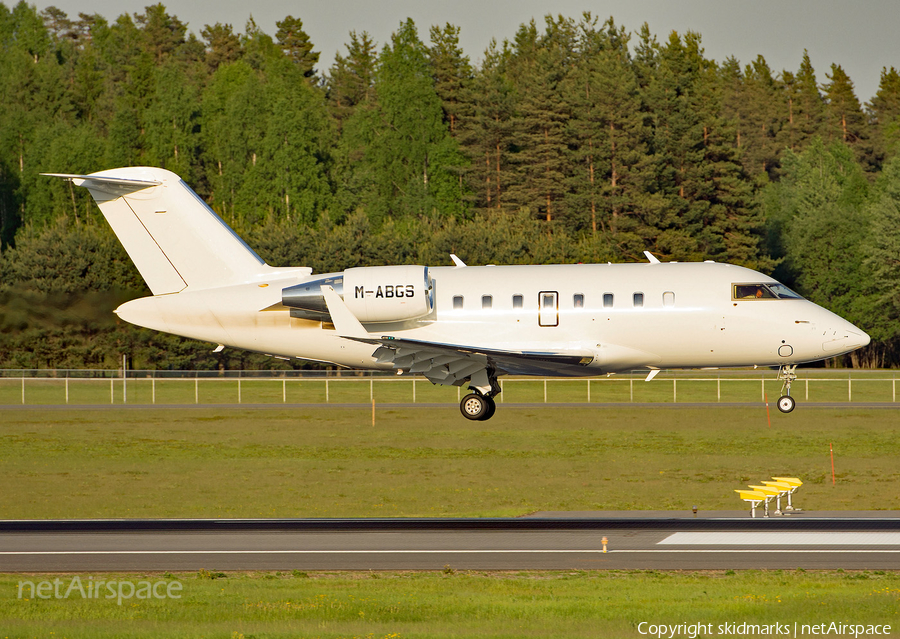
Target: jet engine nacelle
373,294
388,293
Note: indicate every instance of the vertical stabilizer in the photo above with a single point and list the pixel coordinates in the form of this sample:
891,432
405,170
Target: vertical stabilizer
172,236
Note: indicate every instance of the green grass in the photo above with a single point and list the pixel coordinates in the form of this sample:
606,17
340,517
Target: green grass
331,462
236,462
682,386
448,604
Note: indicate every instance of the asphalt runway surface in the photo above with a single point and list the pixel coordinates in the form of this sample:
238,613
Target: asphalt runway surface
553,541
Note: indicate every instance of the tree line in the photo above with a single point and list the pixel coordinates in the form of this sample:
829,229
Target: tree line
575,141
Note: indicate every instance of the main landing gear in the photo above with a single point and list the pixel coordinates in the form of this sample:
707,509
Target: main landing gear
786,374
479,406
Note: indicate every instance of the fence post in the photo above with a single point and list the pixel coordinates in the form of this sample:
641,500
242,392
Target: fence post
501,390
762,388
327,400
23,387
414,390
674,391
196,389
67,387
631,388
153,388
894,388
807,389
849,388
111,391
545,391
719,387
284,390
589,391
371,389
239,390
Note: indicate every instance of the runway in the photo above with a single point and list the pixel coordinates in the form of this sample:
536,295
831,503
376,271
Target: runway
553,541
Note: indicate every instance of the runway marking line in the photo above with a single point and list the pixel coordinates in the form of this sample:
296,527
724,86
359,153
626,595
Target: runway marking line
764,538
21,553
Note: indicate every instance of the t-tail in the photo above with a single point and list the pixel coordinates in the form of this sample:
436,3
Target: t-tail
176,241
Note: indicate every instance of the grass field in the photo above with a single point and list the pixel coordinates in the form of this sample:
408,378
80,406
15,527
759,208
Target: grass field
444,605
277,462
331,462
820,385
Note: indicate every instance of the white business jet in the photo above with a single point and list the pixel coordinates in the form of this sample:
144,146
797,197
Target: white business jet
457,325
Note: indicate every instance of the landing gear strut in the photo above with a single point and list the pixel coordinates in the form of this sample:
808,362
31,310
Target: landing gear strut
480,406
786,374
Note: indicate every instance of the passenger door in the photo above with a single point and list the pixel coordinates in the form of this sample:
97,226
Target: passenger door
548,308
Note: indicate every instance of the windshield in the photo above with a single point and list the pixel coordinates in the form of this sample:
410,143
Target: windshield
763,291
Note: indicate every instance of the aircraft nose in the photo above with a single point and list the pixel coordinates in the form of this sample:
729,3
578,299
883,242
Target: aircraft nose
845,338
865,339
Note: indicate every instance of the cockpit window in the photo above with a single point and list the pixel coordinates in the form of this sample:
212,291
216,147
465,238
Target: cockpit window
783,292
763,291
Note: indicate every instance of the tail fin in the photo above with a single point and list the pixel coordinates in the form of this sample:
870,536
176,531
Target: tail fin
171,235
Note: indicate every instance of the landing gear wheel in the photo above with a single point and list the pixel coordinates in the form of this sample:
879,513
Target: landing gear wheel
492,408
786,403
474,406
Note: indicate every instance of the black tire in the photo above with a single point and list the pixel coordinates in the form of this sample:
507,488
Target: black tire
491,409
474,406
786,403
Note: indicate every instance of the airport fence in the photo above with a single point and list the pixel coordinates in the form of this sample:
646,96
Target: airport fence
144,387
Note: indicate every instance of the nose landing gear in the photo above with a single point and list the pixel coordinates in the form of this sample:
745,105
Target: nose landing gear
786,374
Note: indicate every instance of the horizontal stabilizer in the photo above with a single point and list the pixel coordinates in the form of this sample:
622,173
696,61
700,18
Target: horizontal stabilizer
114,186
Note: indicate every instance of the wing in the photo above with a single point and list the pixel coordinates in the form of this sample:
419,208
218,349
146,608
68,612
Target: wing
452,364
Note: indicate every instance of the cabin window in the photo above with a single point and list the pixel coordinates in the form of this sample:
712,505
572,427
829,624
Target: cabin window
668,298
578,300
607,300
638,299
487,301
517,301
457,301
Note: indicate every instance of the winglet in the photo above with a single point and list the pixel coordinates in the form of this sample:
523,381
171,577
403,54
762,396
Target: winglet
345,322
651,257
458,262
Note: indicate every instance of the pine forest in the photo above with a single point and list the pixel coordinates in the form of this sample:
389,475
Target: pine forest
578,140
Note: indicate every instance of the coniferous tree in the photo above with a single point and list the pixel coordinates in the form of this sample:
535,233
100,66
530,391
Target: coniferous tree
295,43
540,126
452,71
751,100
351,80
805,106
223,45
610,135
884,115
485,131
407,152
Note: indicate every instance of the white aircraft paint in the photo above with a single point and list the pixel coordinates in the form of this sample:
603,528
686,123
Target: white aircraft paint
455,325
